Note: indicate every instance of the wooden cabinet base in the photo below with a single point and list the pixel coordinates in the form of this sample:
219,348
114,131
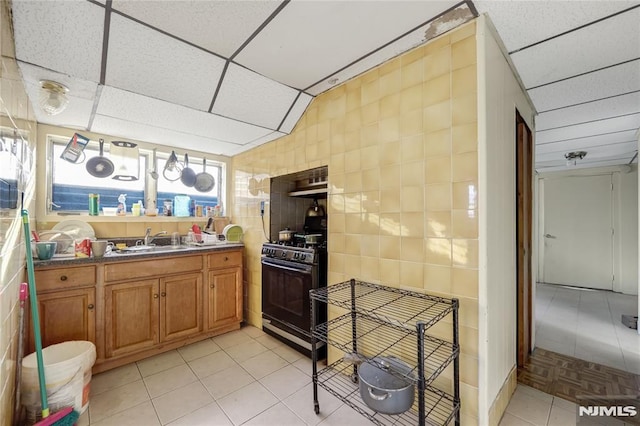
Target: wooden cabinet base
108,364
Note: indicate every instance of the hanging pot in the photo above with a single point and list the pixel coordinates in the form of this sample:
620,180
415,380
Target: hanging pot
204,181
315,209
100,166
188,176
172,168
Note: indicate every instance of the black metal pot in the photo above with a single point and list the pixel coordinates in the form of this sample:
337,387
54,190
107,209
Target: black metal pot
383,391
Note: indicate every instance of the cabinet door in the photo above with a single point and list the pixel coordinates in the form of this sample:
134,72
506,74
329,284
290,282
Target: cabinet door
224,297
131,316
65,315
180,306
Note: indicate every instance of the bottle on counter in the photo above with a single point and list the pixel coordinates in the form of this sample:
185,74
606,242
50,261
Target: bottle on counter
94,204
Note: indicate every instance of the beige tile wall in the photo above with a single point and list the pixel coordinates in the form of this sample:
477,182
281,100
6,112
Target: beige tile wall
15,114
401,145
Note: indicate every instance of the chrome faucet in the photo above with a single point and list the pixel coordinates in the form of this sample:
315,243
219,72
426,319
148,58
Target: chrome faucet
148,239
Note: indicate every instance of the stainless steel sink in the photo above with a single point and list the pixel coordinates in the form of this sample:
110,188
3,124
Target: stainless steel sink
147,249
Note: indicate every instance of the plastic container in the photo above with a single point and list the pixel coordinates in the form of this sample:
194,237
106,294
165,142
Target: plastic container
181,205
67,368
110,211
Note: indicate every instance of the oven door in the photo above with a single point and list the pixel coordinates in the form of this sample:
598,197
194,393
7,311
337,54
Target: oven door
285,294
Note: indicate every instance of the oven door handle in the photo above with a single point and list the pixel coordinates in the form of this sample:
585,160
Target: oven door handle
288,268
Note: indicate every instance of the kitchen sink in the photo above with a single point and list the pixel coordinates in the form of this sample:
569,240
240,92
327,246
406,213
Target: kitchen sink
147,249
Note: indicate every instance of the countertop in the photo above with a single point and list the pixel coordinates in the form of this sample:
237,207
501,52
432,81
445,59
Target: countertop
122,257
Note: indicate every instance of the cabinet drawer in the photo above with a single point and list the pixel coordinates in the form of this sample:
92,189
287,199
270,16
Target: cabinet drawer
224,259
61,278
151,268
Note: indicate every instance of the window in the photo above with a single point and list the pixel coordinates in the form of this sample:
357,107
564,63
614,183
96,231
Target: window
71,183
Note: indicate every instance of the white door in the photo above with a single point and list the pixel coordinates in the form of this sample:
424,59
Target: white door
577,232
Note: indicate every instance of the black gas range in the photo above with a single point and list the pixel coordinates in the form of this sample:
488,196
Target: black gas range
289,271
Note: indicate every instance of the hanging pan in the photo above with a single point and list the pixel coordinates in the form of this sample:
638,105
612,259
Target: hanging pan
100,166
172,168
204,181
188,176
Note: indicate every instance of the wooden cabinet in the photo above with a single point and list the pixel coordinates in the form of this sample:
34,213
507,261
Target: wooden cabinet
131,316
224,297
132,308
66,315
144,313
224,291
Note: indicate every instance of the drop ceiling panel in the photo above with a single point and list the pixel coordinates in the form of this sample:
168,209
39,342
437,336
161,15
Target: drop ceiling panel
296,112
157,135
153,112
521,23
81,96
415,38
65,36
587,142
581,51
626,122
218,26
307,41
148,62
613,81
606,108
251,97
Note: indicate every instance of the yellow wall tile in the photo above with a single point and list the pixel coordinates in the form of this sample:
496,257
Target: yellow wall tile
352,244
437,196
437,116
412,274
370,269
438,224
463,31
436,90
390,247
437,144
389,129
390,106
352,161
411,123
437,279
464,167
437,63
463,81
370,92
437,44
464,138
390,83
465,195
390,175
464,223
353,222
370,113
390,224
389,154
464,282
412,73
411,98
371,179
465,109
465,253
412,224
438,251
389,271
412,249
437,170
463,53
413,173
353,99
352,267
371,245
369,157
390,200
369,135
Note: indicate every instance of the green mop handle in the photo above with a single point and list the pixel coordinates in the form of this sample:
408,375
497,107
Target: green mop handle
35,315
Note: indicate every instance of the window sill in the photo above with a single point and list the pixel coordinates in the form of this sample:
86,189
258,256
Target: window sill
128,218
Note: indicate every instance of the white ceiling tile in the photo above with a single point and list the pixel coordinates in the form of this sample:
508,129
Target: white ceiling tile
296,112
309,40
607,42
409,41
65,36
600,127
251,97
137,108
81,96
609,82
521,23
218,26
587,142
157,135
605,108
146,61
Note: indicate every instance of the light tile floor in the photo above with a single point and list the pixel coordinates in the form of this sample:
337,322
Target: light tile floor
586,324
249,378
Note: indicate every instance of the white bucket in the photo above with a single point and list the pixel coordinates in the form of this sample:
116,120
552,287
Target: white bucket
67,368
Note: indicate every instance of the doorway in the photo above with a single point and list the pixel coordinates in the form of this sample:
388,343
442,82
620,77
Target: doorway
524,219
578,231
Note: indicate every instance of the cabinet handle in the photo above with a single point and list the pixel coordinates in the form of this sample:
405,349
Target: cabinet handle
212,286
163,294
63,278
90,307
226,258
155,296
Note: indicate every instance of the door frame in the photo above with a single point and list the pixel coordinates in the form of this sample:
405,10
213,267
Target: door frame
524,239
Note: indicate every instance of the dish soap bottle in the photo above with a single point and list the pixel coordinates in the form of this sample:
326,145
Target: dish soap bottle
122,205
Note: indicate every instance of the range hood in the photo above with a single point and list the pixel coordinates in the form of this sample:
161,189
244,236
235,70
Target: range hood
311,183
